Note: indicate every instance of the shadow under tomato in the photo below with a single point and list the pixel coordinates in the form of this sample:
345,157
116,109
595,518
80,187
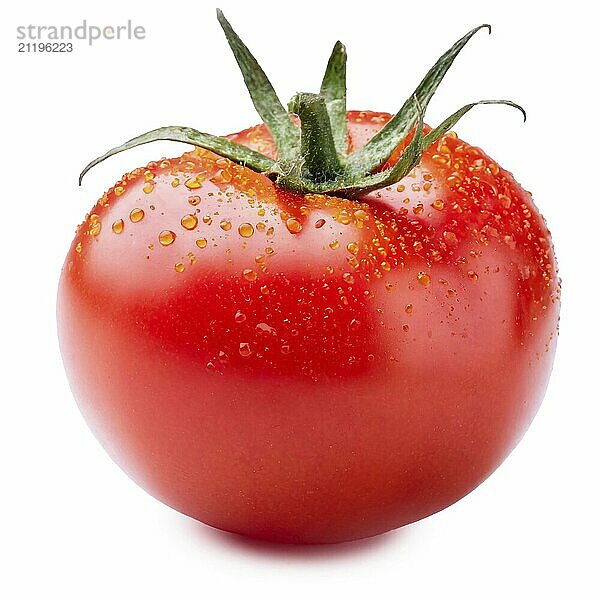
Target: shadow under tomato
276,550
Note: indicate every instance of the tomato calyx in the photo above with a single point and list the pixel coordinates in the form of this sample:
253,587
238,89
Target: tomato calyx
313,157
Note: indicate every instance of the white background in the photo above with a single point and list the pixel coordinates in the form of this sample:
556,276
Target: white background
71,524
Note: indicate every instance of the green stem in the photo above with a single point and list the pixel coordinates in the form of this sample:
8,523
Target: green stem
320,160
313,158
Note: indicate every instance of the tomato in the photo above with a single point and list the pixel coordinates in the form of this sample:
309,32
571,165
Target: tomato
305,367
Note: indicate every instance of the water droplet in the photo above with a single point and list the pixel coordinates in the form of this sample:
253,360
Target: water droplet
189,222
166,237
293,225
246,230
136,215
450,238
353,262
118,226
245,349
249,274
344,218
192,184
264,328
361,215
239,317
95,228
222,176
423,279
352,247
225,225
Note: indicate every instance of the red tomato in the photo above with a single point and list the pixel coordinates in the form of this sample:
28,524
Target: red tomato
306,368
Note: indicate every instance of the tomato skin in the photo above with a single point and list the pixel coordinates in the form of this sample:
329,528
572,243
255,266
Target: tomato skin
311,383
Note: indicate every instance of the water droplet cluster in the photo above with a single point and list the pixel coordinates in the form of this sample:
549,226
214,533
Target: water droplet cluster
309,278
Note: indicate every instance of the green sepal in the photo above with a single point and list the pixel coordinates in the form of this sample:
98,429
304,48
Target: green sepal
408,160
333,89
285,134
378,149
412,154
435,134
222,146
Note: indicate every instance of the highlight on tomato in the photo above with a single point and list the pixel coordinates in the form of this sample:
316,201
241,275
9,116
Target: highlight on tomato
321,328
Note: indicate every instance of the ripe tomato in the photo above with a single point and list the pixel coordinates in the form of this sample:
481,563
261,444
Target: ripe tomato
305,367
310,368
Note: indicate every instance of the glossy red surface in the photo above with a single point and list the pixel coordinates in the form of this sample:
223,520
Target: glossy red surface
310,369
